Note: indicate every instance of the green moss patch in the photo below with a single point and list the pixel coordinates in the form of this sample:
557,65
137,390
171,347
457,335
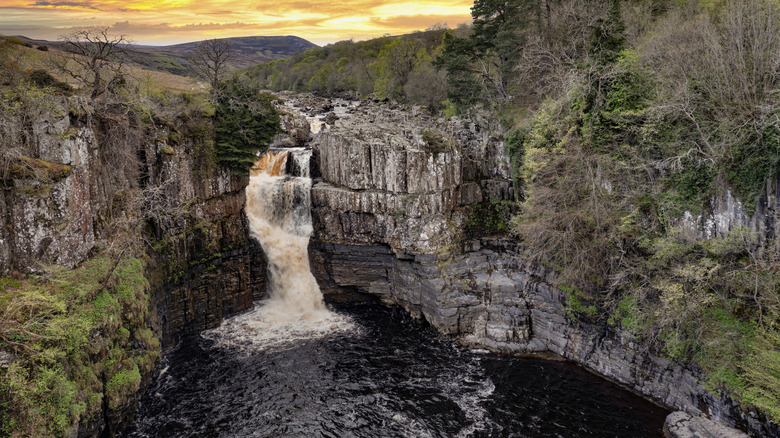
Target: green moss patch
78,337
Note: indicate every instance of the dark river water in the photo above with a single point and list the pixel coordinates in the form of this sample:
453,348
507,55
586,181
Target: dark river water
391,376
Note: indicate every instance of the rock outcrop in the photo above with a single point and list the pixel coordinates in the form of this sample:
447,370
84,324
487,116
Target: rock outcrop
392,208
88,173
47,208
91,181
682,425
206,264
728,213
405,180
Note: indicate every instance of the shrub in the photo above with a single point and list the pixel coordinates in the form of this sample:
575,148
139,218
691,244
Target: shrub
435,142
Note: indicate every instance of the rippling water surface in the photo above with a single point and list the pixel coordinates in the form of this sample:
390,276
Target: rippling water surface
382,375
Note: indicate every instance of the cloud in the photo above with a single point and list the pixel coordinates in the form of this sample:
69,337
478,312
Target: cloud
175,21
418,22
82,5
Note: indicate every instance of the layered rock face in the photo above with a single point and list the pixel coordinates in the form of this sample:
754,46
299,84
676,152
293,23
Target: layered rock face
491,297
404,180
46,210
728,213
80,184
92,181
391,216
206,264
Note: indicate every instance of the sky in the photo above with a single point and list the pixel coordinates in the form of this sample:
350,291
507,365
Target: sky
160,22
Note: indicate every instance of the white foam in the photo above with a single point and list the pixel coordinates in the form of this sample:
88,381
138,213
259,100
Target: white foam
271,326
279,211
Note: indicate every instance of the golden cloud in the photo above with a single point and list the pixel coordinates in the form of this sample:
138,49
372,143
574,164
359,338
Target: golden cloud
173,21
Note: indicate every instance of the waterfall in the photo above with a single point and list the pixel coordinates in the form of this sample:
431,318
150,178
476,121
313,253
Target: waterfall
278,207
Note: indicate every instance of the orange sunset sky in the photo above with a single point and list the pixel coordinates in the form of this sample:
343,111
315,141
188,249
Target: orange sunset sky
175,21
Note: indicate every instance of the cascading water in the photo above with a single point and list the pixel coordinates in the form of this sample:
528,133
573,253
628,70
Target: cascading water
291,367
279,211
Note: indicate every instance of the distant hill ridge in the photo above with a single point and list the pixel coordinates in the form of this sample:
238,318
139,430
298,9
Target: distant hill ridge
247,51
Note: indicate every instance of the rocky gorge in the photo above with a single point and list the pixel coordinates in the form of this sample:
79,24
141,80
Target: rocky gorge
392,209
405,206
91,180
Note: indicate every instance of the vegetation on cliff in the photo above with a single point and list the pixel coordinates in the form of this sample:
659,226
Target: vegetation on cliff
102,172
625,121
626,118
74,342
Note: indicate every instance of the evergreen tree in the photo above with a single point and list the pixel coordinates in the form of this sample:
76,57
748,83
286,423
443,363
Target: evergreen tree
478,66
608,37
245,123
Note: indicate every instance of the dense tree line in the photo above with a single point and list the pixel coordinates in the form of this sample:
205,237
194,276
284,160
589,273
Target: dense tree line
398,68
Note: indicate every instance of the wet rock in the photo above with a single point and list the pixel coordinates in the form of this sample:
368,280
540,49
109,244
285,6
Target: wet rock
295,129
492,297
331,118
682,425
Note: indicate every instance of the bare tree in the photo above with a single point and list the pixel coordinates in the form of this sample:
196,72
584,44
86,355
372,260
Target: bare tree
211,60
96,58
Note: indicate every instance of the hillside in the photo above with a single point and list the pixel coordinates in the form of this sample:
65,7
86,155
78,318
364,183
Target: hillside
393,67
247,51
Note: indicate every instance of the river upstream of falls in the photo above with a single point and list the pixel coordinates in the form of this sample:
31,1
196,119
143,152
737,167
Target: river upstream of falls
296,367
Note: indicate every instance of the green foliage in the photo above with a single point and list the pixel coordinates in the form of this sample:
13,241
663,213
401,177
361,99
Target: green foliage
51,325
479,65
398,68
627,315
644,130
688,189
15,41
607,39
245,123
122,385
435,141
42,78
574,307
514,141
490,218
761,372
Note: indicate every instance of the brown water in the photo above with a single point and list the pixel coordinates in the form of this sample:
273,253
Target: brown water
278,207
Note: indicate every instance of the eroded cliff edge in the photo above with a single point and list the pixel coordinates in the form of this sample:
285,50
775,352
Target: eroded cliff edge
395,207
95,182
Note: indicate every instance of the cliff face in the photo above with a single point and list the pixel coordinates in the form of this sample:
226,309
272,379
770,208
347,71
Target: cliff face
392,218
404,180
490,296
94,181
46,211
82,184
205,264
728,213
